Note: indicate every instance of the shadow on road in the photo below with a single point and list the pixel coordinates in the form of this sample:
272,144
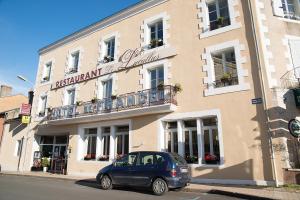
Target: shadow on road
93,184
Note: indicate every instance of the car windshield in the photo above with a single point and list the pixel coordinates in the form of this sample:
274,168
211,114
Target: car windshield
178,159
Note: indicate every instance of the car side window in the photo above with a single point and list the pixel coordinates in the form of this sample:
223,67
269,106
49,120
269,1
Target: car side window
128,160
160,161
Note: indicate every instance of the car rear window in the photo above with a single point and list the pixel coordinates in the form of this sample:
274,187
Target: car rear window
178,159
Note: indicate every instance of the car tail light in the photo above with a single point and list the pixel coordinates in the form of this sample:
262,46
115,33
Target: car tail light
173,173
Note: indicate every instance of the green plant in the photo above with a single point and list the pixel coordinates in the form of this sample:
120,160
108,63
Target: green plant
220,21
177,88
226,76
45,162
94,99
78,103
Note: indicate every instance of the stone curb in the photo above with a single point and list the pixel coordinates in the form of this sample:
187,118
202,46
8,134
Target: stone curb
32,175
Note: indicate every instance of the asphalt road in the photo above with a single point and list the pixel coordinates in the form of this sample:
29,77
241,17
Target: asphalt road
34,188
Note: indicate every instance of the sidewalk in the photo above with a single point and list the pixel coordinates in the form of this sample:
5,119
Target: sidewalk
246,192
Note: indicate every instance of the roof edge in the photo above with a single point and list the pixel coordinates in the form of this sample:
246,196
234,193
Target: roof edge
107,21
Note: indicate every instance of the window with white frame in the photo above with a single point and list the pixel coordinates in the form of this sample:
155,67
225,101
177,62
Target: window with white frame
225,68
70,97
110,50
107,88
218,13
289,9
156,31
194,140
211,141
171,134
156,76
42,106
46,72
90,142
294,45
105,141
190,141
122,140
74,62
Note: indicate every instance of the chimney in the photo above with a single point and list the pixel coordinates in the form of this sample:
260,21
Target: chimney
5,90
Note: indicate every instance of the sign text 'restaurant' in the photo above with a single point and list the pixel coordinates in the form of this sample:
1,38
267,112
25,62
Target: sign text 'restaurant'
130,58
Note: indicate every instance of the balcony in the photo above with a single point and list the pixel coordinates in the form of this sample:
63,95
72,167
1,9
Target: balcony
145,102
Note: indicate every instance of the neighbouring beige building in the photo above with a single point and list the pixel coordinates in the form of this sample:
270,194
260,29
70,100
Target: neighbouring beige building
207,79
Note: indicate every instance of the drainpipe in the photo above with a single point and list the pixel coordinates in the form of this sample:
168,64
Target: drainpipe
265,101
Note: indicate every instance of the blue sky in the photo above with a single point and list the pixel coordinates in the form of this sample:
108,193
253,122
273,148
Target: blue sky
28,25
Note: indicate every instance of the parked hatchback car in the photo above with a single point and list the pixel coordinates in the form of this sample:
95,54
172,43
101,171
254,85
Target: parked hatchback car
156,170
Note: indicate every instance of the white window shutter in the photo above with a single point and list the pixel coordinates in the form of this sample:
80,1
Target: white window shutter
295,54
277,8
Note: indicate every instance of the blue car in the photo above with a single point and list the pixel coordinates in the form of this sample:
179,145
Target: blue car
156,170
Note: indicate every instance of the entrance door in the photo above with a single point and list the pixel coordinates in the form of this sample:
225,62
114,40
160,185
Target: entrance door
59,159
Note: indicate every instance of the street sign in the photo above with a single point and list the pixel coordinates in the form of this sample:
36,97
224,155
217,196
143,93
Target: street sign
25,109
256,101
25,119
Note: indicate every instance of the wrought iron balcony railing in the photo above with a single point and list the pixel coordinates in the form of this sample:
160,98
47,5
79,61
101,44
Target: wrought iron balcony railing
145,98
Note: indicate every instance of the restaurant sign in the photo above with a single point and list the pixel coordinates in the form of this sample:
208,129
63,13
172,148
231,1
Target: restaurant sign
129,59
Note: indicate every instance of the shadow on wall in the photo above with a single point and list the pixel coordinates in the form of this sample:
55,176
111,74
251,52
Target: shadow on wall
16,126
241,171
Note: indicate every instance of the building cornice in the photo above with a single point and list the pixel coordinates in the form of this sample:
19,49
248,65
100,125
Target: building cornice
108,21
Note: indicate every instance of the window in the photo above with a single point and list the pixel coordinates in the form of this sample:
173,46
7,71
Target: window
191,141
225,68
172,137
18,149
110,50
156,77
218,14
198,146
70,99
105,140
74,62
107,88
156,34
47,72
290,10
90,140
211,141
122,140
128,160
42,106
294,45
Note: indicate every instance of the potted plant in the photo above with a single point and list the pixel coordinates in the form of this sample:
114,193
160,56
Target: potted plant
220,22
78,103
210,158
113,96
156,43
107,59
45,164
103,158
160,86
90,156
41,113
191,159
226,78
49,109
94,99
46,78
177,88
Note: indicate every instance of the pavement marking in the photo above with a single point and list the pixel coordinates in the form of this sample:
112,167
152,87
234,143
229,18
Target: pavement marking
196,198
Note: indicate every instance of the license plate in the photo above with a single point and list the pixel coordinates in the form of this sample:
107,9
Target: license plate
182,170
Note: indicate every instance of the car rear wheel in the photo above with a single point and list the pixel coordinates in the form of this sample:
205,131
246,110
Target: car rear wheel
159,186
106,183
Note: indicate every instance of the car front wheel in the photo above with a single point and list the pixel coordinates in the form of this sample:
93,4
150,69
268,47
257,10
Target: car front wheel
159,186
106,183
